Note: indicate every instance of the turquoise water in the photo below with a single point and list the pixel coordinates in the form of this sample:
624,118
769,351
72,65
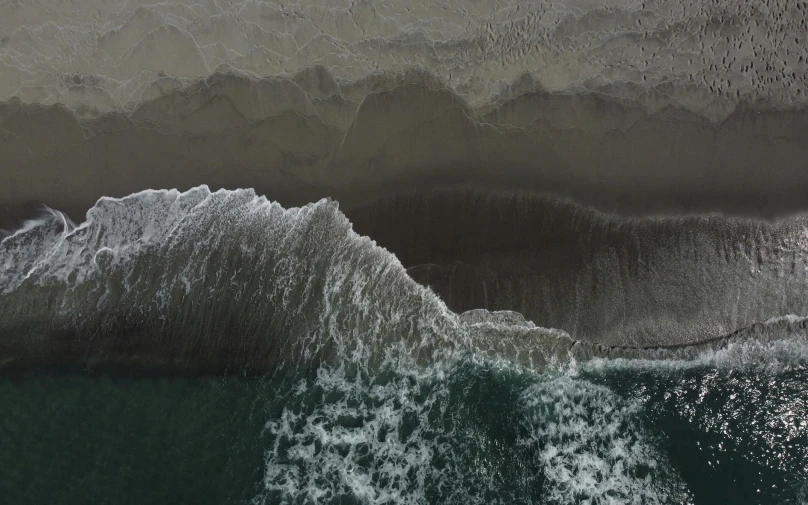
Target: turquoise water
471,432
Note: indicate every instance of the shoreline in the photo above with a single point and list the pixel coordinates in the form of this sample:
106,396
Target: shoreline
598,150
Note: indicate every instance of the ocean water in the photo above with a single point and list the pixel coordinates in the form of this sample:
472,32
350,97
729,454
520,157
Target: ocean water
208,347
470,432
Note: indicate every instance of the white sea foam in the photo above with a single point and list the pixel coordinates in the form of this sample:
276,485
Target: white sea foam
404,440
300,274
784,347
166,259
386,416
592,446
351,445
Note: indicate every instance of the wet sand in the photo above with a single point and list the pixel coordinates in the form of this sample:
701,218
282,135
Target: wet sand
416,138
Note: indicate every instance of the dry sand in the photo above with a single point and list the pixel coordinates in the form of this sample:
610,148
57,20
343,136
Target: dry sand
652,106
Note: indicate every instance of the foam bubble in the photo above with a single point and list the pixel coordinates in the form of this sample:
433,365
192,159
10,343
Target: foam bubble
592,446
773,353
462,432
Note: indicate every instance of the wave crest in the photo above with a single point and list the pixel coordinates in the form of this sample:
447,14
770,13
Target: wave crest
206,280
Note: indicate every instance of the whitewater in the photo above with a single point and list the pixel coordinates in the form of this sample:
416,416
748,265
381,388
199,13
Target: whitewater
302,364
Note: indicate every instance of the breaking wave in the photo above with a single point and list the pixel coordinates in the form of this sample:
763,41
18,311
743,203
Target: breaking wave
229,278
378,393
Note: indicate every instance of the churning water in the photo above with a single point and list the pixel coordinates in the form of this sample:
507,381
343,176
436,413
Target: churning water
207,347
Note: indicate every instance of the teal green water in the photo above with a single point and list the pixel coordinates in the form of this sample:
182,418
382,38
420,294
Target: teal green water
472,432
381,395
